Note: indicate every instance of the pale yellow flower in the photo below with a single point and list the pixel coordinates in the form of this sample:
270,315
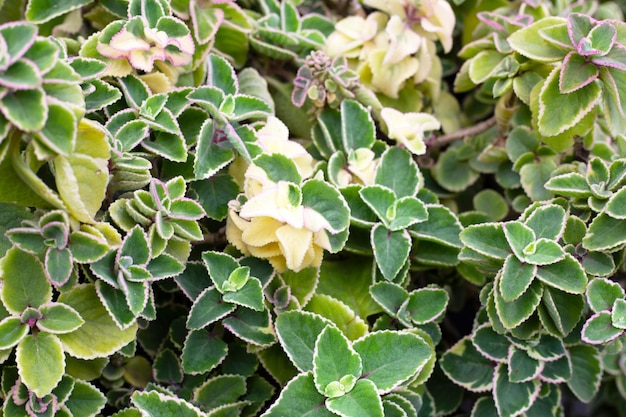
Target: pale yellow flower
274,138
352,35
408,128
360,169
388,79
434,19
437,18
270,226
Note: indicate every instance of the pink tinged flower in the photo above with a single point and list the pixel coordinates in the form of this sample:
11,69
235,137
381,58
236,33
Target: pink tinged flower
408,128
126,41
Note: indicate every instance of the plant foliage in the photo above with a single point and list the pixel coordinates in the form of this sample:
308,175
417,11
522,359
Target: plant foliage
283,208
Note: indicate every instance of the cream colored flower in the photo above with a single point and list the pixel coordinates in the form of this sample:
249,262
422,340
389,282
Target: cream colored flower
434,19
408,128
437,18
273,225
274,138
388,79
360,169
142,51
353,33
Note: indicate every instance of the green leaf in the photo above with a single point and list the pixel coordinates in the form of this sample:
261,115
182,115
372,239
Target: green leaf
19,36
407,211
519,237
490,344
27,109
327,201
485,407
12,331
210,155
220,390
513,398
574,106
297,332
24,282
391,249
380,199
427,304
214,194
566,275
598,264
59,318
599,329
357,128
250,295
605,233
390,358
534,175
487,239
156,404
39,11
221,74
363,401
516,278
336,366
483,65
572,184
615,206
339,313
351,289
254,327
302,284
618,314
528,42
21,75
59,131
453,170
390,296
576,73
442,226
514,313
248,107
202,352
299,397
85,400
207,309
522,367
392,161
586,372
548,348
543,252
464,365
602,293
559,311
491,203
557,371
278,167
547,222
99,336
41,362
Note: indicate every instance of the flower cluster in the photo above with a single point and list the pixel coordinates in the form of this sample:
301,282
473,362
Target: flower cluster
275,217
396,43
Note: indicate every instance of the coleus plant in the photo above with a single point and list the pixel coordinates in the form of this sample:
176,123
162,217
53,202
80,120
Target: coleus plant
269,208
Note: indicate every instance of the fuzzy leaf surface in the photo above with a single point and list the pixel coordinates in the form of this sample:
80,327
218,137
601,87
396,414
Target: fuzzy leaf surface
389,358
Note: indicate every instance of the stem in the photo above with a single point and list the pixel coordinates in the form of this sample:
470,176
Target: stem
27,175
443,140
